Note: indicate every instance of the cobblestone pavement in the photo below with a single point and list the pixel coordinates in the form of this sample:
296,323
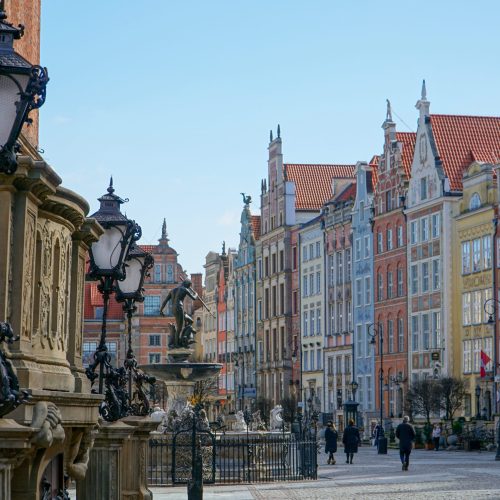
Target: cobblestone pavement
433,475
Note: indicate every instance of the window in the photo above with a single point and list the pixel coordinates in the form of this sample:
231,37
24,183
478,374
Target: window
414,279
436,225
318,359
362,210
359,292
486,252
318,282
282,260
311,250
357,249
424,227
152,305
389,285
157,275
349,316
476,255
311,284
311,354
390,335
436,330
259,309
259,269
154,340
367,246
425,331
304,286
89,349
401,341
368,290
488,293
414,333
423,188
331,270
347,364
273,263
414,232
170,273
400,236
466,309
312,324
475,201
388,201
359,341
266,266
318,321
306,361
340,317
476,307
304,253
348,265
476,359
340,269
306,315
400,282
467,356
488,350
389,239
380,287
425,276
282,298
380,243
436,279
318,249
466,257
154,357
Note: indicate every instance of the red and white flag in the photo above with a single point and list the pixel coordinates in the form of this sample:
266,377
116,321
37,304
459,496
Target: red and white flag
485,359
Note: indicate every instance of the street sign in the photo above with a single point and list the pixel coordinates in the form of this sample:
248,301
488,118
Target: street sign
250,392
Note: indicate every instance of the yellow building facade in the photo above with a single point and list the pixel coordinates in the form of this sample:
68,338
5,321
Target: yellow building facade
473,286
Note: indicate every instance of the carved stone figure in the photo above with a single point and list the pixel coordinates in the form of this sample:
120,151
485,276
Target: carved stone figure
78,452
240,424
276,420
47,417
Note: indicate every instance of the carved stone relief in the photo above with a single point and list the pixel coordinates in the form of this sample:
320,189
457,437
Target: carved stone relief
29,251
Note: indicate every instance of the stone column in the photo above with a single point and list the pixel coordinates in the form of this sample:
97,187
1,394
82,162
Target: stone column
15,447
104,478
135,459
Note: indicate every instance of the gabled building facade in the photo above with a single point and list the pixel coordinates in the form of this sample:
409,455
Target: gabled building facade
362,289
390,263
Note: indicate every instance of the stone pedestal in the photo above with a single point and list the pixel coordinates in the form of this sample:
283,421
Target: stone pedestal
104,478
135,459
179,391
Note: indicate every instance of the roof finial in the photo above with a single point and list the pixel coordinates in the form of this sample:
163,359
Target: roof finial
270,136
111,190
164,230
389,111
279,131
424,92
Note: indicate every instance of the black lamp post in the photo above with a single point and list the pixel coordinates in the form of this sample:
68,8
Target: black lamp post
129,291
22,89
375,330
107,258
478,396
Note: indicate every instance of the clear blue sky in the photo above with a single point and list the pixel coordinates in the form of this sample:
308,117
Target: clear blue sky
176,98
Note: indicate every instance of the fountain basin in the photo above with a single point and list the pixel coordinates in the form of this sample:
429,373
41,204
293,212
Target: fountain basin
185,371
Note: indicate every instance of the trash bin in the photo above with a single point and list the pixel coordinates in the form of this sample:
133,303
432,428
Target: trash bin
382,446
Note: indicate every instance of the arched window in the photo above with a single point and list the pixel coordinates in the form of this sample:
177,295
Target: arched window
475,201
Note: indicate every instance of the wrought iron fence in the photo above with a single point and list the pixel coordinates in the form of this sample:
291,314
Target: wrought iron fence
233,458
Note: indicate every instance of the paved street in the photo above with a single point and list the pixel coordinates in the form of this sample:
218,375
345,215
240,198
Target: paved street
432,475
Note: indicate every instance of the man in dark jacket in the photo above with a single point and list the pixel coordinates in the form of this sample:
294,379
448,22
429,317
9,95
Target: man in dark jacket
406,435
331,436
351,440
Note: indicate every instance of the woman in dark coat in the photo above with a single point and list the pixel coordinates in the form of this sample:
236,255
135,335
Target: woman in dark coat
331,436
351,440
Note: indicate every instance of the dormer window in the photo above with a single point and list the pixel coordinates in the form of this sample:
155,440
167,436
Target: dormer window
475,201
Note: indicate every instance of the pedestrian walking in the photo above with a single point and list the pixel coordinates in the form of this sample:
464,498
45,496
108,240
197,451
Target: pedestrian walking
331,436
351,440
436,436
406,435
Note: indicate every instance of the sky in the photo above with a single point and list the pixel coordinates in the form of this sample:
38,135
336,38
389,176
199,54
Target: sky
175,99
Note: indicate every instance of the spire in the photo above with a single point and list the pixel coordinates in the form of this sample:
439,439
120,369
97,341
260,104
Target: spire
423,104
164,230
279,131
270,136
111,189
223,248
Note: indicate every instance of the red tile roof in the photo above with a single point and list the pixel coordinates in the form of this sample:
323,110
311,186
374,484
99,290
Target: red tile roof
408,147
460,140
148,248
372,175
348,193
255,221
313,183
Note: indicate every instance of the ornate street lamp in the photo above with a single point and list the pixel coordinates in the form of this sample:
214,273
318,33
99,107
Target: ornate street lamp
375,330
22,89
129,291
478,396
107,259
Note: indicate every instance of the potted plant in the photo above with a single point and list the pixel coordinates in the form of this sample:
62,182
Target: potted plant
429,444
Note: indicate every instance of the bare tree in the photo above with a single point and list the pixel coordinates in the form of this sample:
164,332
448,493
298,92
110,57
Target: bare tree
289,405
452,394
424,396
204,390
